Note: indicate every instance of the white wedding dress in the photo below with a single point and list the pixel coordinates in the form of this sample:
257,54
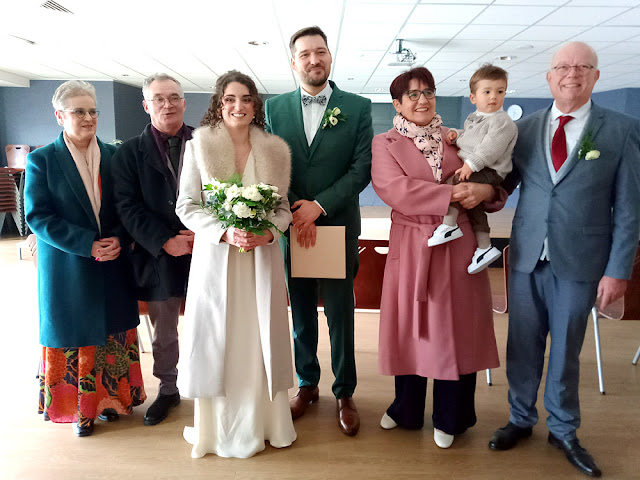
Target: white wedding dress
238,424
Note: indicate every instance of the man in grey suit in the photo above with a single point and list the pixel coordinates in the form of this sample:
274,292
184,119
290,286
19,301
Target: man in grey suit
575,234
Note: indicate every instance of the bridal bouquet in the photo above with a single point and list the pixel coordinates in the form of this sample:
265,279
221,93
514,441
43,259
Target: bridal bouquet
250,208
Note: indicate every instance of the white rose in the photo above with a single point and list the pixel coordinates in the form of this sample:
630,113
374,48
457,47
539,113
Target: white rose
252,193
336,111
227,206
592,155
333,120
242,211
232,192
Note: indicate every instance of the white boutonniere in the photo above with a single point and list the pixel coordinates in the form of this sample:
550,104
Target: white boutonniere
332,117
588,148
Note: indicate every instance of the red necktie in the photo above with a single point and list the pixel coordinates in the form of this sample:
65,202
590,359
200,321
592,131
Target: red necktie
559,143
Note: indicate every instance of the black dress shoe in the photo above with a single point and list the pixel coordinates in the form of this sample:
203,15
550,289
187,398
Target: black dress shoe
507,437
83,430
109,415
159,409
577,456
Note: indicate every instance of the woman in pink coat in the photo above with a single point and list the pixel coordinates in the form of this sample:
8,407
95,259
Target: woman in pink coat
435,319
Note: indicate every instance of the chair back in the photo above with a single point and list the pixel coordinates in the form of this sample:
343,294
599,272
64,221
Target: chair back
17,155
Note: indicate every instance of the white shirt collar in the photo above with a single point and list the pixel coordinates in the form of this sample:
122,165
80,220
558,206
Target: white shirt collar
580,114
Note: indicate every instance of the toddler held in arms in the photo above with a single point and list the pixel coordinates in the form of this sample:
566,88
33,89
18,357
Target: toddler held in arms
485,146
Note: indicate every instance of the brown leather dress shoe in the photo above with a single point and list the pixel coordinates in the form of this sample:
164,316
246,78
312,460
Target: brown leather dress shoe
302,399
348,418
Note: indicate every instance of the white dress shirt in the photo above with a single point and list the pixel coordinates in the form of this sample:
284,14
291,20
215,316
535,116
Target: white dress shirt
573,132
312,117
312,114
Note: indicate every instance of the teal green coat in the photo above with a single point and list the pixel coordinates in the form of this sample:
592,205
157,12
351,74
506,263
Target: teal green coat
337,165
81,301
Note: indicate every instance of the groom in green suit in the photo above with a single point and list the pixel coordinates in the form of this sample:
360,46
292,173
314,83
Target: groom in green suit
331,165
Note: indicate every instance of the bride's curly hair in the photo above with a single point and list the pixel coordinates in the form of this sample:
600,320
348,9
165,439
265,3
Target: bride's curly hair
214,116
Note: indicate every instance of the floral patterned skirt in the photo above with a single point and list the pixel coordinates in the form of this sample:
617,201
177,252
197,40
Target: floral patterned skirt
77,384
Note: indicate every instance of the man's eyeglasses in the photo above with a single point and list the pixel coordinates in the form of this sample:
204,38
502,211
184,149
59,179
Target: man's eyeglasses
414,95
160,101
563,70
81,112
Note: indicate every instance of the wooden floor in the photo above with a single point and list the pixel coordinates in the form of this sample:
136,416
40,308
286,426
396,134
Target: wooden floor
34,449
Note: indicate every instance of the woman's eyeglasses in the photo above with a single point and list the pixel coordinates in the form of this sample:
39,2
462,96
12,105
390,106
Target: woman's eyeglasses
81,112
414,95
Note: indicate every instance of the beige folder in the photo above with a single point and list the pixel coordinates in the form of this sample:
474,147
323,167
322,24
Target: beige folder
326,259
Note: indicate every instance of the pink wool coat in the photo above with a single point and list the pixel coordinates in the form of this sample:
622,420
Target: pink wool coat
435,319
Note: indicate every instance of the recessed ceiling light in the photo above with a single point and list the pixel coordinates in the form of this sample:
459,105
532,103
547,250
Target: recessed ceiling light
462,80
526,46
257,43
125,74
377,89
350,78
505,58
511,91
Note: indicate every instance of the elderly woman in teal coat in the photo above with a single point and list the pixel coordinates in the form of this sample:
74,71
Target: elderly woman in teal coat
88,315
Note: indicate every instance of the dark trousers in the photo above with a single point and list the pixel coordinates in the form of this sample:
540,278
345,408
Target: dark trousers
453,403
338,301
477,215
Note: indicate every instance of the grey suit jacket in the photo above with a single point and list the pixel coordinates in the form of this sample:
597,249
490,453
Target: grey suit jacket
591,216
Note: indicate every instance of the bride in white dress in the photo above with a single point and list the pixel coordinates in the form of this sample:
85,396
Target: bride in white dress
235,357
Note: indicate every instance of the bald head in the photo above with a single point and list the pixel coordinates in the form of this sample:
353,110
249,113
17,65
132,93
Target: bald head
576,49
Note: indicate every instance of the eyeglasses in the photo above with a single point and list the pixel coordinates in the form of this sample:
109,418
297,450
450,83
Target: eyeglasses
160,101
563,70
81,112
414,95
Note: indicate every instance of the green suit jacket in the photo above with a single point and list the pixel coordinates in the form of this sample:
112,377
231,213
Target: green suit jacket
336,167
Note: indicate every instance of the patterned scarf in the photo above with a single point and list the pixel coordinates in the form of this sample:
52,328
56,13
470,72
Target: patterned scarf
428,140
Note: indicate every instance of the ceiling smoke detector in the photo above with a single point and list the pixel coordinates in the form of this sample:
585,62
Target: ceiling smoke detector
403,56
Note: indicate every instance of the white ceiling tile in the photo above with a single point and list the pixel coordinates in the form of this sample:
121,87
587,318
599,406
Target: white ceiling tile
630,48
455,57
519,3
457,2
489,32
536,32
587,16
609,34
454,14
599,3
512,15
418,31
376,13
631,17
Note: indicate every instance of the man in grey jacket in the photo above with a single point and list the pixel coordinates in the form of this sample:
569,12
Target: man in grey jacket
574,237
